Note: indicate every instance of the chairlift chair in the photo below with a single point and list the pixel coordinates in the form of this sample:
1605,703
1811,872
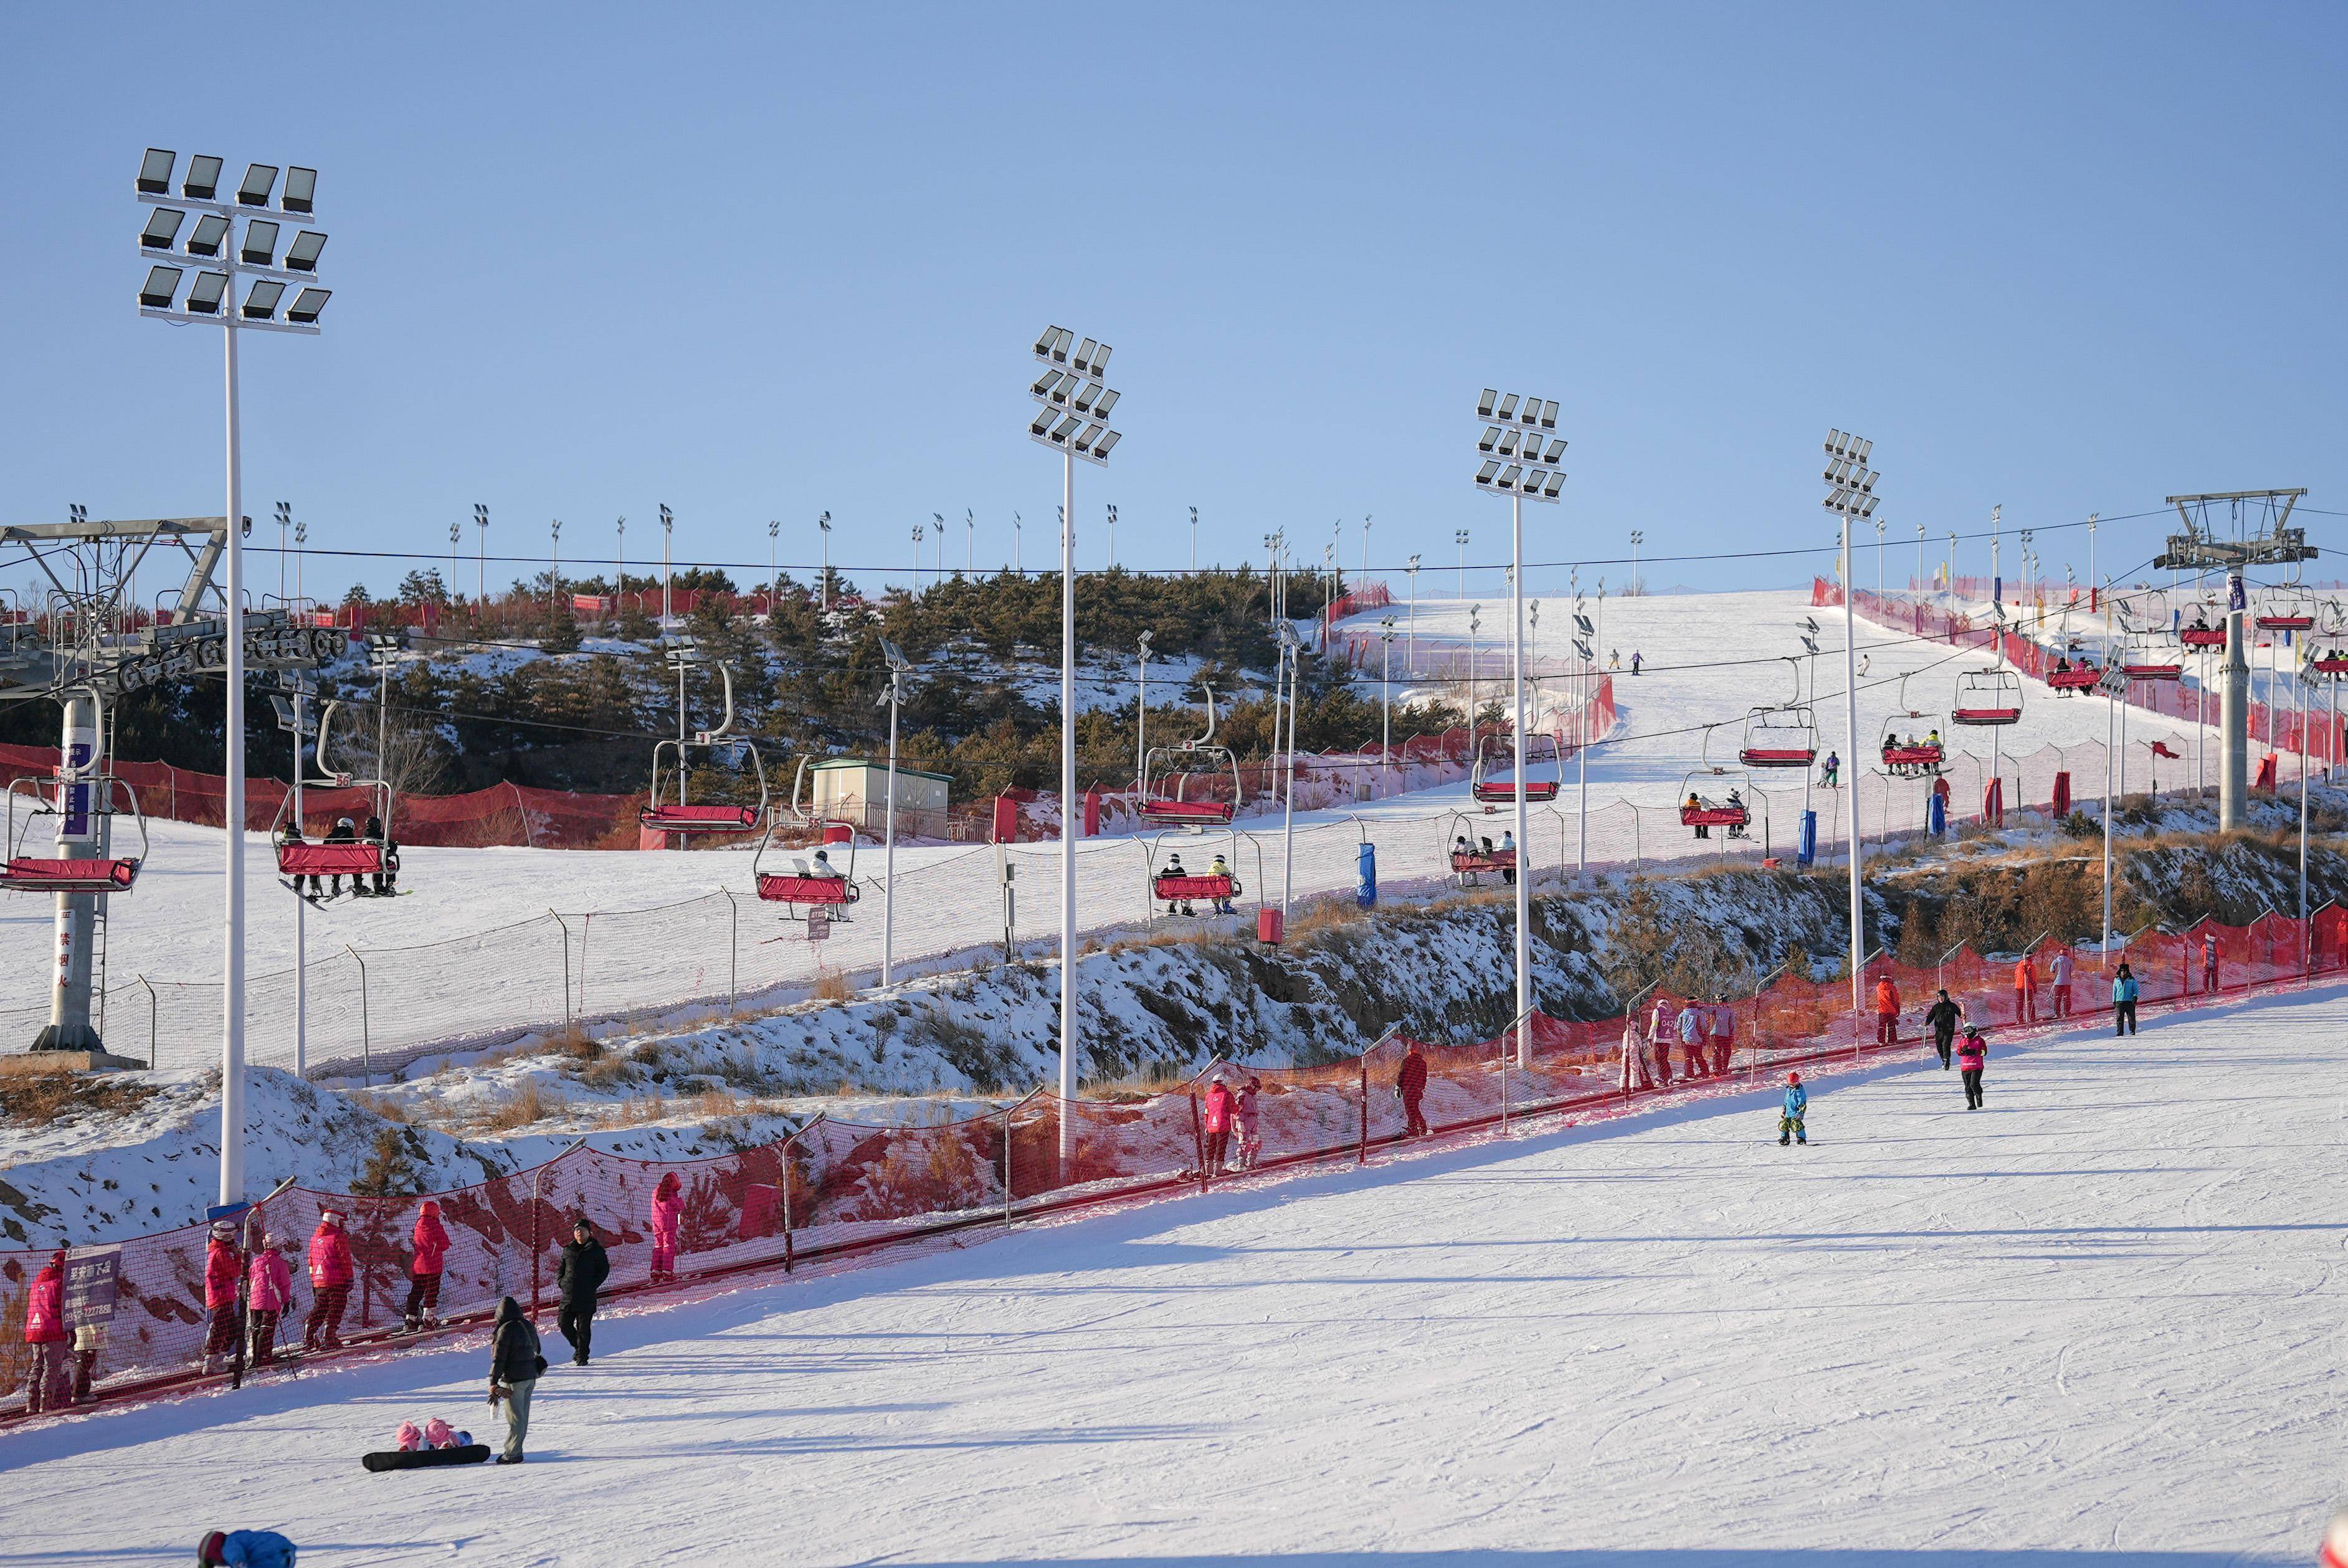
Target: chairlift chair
298,857
1171,773
664,814
1912,760
2201,633
1493,793
1475,861
2078,678
1987,698
1188,887
1780,738
2147,657
2289,609
803,886
52,873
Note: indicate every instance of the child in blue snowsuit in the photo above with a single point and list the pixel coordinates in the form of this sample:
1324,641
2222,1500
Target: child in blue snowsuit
1798,1100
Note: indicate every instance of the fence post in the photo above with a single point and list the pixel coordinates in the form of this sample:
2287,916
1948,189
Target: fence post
732,952
1197,1137
1362,1149
1007,1167
153,1063
366,1047
564,926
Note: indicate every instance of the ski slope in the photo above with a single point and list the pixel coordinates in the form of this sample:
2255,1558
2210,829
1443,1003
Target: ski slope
2096,1323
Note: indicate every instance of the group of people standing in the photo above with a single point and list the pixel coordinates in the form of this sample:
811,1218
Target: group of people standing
1225,1116
1707,1033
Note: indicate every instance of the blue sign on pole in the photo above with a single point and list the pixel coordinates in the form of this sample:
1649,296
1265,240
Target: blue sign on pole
1936,815
1367,894
1809,851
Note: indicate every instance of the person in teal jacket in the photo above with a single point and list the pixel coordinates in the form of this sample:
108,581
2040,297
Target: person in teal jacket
1798,1100
2123,994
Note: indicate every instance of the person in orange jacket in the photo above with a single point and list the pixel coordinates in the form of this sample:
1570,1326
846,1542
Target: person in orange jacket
1887,1012
2025,991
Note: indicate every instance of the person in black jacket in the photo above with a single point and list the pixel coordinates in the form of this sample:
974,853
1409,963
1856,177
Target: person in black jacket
342,832
374,833
1944,1017
580,1275
514,1367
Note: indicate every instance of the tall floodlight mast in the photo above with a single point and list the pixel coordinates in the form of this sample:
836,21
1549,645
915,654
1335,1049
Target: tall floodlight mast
1850,496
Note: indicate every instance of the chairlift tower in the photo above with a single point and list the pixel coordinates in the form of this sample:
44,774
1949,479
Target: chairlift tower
2253,530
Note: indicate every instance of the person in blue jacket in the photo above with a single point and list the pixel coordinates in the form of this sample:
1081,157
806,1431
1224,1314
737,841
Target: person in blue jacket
245,1549
1798,1100
2123,994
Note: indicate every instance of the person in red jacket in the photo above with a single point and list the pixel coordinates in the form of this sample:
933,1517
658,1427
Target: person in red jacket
1887,1012
1215,1117
268,1294
2025,991
668,1207
330,1284
1410,1083
431,1243
45,1336
220,1269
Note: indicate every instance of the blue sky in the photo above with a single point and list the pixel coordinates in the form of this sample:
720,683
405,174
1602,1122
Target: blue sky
760,263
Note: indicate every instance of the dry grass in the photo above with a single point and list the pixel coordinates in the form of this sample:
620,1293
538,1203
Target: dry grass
389,1109
1324,915
525,1106
832,985
637,1110
38,1099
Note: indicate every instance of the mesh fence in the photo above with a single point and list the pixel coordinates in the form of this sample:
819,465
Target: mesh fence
838,1188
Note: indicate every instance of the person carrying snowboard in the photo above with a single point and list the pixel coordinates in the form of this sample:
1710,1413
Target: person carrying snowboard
1660,1029
2124,996
514,1367
220,1269
1215,1120
330,1284
1410,1083
1971,1055
268,1294
430,1240
1943,1015
1798,1100
581,1274
668,1207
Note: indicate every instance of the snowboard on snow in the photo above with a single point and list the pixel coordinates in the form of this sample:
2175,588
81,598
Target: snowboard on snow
425,1458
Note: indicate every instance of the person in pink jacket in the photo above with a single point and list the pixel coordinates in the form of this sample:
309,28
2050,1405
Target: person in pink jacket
668,1207
221,1270
430,1241
268,1293
330,1284
46,1383
1215,1118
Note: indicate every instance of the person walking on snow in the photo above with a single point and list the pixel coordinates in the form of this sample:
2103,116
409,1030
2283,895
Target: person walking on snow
1798,1100
268,1297
667,1209
1887,1012
220,1269
1660,1029
1692,1035
1832,772
1724,1035
1410,1083
2209,962
2025,991
2123,994
1244,1123
1943,1015
1635,661
1970,1054
2059,974
1636,1074
514,1365
45,1380
581,1274
430,1240
1215,1118
330,1284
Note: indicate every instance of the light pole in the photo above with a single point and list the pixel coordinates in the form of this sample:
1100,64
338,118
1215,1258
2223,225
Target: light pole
285,528
1516,466
1919,558
1850,494
969,542
1878,558
1112,536
892,696
481,568
1410,637
823,535
214,246
1365,547
1474,627
620,569
668,535
1194,539
1459,538
455,538
1290,645
1638,537
554,571
774,572
919,533
1018,568
2115,685
301,538
1074,421
1385,696
1142,720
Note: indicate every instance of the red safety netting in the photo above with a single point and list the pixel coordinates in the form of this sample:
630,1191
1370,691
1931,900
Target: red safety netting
836,1188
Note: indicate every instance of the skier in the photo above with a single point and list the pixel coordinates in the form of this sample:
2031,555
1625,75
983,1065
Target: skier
1221,868
1943,1015
666,1209
1614,658
1798,1100
2059,973
1410,1083
2025,991
1831,773
220,1269
579,1274
1659,1033
245,1549
1174,869
1737,803
330,1284
1887,1012
1696,803
45,1337
294,836
1509,847
343,832
1969,1056
1635,661
514,1367
374,833
1724,1035
1243,1119
2209,962
1215,1120
431,1243
268,1293
2124,996
1691,1033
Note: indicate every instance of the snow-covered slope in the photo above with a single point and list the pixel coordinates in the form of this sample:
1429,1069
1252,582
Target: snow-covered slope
2091,1323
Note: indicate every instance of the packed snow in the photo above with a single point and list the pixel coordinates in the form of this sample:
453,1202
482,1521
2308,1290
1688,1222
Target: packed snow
2092,1323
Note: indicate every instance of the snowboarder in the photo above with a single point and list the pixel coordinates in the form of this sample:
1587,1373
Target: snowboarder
1174,869
1696,803
1636,659
2124,996
1509,847
375,834
1244,1120
1887,1012
1221,868
245,1549
1215,1121
1970,1054
44,1338
2025,991
2209,962
1832,772
1737,803
430,1240
294,836
1614,658
667,1208
1798,1100
269,1293
343,832
581,1274
1943,1015
823,867
2059,974
220,1269
330,1284
1410,1084
1692,1034
1724,1035
514,1367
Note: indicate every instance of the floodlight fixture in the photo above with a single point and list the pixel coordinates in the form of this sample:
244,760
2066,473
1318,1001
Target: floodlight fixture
1051,387
259,179
1104,445
1508,407
300,189
1518,463
202,180
208,236
260,247
1052,348
155,172
302,256
1041,426
261,300
1491,439
163,228
205,295
1092,359
1484,477
162,286
1484,404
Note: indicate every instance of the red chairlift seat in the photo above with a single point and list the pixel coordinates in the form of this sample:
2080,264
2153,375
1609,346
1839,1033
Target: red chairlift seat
2203,637
2079,677
778,887
1191,886
1986,716
1913,758
669,816
2148,670
1467,862
1504,792
2332,664
27,873
1777,756
1169,811
325,860
1708,814
2286,621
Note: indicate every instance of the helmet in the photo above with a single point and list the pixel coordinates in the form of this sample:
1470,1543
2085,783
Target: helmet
223,1229
1793,1077
341,821
208,1548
